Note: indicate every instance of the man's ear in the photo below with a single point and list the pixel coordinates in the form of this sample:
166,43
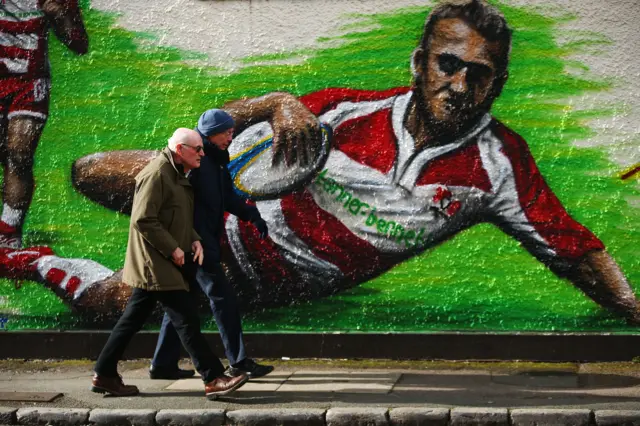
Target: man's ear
179,149
498,84
418,58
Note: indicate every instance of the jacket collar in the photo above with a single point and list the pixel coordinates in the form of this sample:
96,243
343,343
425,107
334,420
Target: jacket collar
210,150
168,157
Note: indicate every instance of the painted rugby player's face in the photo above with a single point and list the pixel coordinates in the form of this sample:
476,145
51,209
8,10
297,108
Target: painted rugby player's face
457,82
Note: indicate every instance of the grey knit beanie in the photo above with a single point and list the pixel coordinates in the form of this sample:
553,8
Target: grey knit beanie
214,121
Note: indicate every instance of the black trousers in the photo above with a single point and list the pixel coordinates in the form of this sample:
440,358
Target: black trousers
224,305
181,309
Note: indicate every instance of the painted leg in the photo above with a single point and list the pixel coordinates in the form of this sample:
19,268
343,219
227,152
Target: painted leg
87,286
23,134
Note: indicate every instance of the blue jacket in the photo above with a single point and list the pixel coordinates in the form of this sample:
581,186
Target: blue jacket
214,194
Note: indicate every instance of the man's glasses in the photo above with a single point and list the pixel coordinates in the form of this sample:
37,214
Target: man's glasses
198,149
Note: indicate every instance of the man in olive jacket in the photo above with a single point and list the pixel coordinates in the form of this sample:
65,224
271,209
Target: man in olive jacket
160,234
214,195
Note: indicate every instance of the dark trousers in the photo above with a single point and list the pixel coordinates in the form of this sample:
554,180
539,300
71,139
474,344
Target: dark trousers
224,306
179,306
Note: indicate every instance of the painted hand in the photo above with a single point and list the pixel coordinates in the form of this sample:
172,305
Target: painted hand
297,137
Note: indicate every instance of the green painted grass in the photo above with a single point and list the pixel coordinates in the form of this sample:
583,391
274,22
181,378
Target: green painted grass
125,94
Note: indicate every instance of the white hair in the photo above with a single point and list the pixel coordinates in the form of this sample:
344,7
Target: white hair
180,136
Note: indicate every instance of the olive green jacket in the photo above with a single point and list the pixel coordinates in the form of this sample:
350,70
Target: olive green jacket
161,221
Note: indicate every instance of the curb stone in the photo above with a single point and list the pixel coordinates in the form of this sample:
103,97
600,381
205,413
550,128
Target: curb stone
131,417
617,417
550,417
370,416
52,416
8,416
484,416
353,416
210,417
416,416
286,416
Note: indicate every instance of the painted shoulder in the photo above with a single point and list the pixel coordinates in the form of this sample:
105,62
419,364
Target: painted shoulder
327,99
511,140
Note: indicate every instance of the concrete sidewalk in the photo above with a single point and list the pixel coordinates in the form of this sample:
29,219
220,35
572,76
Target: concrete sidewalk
327,391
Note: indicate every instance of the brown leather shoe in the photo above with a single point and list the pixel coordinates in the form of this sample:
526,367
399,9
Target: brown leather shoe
223,385
112,385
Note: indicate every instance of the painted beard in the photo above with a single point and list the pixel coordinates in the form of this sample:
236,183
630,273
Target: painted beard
457,113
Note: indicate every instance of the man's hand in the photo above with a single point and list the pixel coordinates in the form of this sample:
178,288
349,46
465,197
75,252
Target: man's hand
198,252
177,256
297,136
262,228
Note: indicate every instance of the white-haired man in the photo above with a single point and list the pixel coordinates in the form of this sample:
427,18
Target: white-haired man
160,233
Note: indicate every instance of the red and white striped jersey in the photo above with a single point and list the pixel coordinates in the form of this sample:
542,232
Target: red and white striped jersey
23,39
378,201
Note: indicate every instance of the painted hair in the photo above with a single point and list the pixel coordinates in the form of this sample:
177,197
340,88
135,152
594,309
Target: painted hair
486,19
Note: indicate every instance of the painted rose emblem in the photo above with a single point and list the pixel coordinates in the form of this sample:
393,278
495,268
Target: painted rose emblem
444,204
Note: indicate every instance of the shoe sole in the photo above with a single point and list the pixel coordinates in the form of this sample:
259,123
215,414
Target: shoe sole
170,377
253,376
212,396
103,391
248,373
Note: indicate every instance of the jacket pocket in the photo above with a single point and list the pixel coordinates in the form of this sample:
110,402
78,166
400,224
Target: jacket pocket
167,216
149,276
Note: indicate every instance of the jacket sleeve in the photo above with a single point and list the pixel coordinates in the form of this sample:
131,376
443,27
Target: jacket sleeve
235,204
147,202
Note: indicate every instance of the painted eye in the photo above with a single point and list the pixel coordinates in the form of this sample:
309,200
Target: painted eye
449,64
478,73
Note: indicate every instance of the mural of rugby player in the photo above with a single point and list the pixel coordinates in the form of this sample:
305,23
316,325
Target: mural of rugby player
24,95
404,170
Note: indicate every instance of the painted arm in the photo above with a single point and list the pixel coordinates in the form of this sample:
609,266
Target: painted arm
600,278
66,20
535,216
297,136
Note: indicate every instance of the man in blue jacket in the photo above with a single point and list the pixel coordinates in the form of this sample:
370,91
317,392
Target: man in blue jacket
214,194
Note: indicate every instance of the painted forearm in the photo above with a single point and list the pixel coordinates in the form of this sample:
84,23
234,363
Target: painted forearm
598,267
249,111
67,24
600,277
